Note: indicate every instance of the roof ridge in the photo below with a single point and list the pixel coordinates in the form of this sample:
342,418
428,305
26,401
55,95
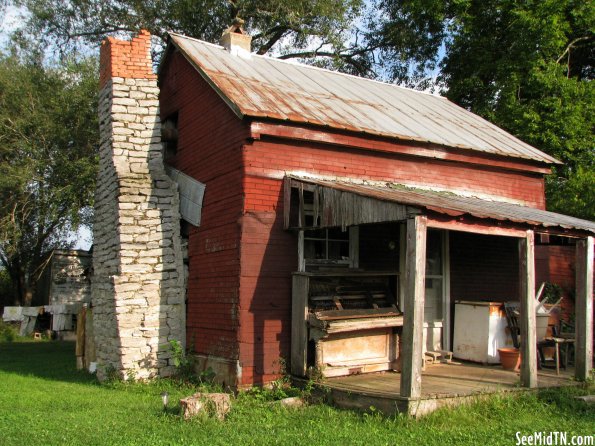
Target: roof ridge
293,62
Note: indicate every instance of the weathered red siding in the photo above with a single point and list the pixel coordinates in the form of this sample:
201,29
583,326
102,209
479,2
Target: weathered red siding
241,259
209,149
267,159
269,254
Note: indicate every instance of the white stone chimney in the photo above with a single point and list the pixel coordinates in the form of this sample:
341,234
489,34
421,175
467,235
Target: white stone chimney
235,40
137,289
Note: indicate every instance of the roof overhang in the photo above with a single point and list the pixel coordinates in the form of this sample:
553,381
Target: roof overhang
318,203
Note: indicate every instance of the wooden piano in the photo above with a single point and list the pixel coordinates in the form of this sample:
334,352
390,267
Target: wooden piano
345,322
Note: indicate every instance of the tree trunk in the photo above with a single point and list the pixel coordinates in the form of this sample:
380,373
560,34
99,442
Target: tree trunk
28,296
25,290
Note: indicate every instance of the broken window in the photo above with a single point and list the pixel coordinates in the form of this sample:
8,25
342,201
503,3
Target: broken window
169,137
330,247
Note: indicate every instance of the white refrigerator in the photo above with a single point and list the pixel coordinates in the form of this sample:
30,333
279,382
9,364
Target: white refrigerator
480,329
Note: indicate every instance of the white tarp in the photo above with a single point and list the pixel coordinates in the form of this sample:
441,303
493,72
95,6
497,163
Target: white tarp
12,314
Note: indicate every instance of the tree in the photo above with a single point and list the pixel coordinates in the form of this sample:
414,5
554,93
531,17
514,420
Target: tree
48,145
290,28
526,66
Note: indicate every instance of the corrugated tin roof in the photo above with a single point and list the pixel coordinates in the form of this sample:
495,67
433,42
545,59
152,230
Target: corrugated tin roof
452,204
265,87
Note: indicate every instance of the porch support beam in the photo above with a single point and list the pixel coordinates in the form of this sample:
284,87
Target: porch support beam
527,316
413,312
584,308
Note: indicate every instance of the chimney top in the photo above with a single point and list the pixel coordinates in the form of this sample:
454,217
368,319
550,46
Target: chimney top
235,40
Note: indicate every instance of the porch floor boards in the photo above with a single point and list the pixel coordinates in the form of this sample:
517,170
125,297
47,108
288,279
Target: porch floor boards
443,385
448,380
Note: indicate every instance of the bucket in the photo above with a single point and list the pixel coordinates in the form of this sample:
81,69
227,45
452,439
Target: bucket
541,324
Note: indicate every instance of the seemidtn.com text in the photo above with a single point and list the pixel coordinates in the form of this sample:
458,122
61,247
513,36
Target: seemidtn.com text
554,439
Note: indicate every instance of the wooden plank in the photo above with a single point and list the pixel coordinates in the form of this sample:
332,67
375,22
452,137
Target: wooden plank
331,315
90,354
402,254
527,316
299,327
354,246
475,227
413,323
301,258
447,329
342,208
341,326
286,202
584,308
80,331
375,143
316,209
347,273
302,215
80,337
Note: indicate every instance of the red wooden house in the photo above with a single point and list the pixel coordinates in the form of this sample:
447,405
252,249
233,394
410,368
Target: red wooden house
343,217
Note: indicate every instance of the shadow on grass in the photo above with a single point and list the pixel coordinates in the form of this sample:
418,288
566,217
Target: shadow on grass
565,402
53,360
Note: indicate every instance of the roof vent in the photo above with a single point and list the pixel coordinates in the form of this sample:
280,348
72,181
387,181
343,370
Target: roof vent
235,40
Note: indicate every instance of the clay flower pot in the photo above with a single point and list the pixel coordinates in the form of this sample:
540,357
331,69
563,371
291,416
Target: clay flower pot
510,358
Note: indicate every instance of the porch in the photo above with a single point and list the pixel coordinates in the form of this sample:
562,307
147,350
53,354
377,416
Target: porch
443,385
428,274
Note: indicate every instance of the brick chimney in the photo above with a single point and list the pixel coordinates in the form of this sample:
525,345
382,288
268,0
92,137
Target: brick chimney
235,40
137,290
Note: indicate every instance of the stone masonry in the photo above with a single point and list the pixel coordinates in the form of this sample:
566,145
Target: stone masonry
138,291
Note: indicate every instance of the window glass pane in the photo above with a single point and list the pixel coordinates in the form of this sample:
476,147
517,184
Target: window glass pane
338,250
433,300
315,233
434,254
314,249
338,234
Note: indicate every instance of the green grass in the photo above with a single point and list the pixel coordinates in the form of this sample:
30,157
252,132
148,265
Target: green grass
45,401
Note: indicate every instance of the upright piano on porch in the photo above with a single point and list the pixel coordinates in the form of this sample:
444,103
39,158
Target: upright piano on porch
344,322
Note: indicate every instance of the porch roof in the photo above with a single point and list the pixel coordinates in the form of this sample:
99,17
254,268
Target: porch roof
440,202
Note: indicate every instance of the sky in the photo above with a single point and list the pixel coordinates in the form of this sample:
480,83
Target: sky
9,20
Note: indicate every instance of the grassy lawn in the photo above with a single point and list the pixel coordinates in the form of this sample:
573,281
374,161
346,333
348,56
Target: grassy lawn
45,401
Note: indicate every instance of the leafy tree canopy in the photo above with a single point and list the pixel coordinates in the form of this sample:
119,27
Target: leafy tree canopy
48,144
527,66
288,27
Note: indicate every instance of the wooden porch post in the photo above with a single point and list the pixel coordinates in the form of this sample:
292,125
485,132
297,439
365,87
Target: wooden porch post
527,317
413,317
584,308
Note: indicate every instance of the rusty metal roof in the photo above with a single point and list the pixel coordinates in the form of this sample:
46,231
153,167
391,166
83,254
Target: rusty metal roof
456,205
265,87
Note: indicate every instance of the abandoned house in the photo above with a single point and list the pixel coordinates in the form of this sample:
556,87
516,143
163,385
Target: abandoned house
329,222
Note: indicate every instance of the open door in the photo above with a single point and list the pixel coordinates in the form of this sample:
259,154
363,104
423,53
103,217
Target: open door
437,301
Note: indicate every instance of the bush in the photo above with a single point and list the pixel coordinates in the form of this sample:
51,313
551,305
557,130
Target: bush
8,333
6,290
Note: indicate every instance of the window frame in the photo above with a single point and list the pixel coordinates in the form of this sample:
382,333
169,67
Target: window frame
353,247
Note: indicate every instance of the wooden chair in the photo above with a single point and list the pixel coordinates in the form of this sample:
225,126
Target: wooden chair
561,341
512,314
